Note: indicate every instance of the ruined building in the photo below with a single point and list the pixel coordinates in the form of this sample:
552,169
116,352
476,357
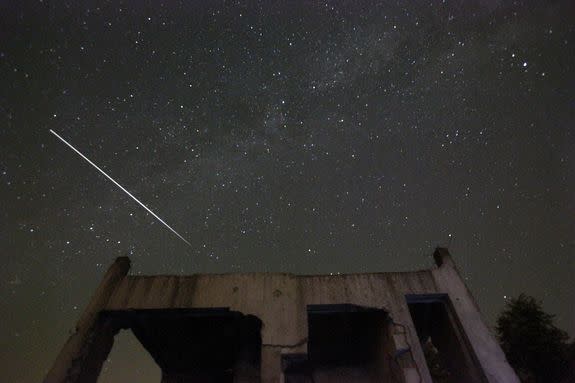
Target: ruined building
420,326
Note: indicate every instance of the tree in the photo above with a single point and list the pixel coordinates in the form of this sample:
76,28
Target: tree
536,349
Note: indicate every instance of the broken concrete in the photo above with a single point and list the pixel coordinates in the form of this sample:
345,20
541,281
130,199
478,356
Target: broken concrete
287,328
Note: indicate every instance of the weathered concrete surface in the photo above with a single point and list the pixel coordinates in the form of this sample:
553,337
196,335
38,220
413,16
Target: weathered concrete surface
483,343
280,301
79,352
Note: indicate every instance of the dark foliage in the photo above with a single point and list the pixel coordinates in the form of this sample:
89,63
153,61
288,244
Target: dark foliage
536,349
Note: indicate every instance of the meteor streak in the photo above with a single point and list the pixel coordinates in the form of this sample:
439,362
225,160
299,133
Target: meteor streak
120,186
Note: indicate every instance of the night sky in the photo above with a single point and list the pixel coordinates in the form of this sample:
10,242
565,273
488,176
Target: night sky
318,137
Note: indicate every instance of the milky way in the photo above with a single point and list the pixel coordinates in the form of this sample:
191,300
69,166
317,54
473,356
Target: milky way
321,137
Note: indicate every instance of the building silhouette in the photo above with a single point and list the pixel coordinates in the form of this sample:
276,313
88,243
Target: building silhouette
420,326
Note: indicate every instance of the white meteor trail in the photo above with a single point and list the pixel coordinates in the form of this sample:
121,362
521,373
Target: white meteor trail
120,186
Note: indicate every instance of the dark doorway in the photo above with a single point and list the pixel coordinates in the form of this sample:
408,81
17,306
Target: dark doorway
345,344
448,353
198,345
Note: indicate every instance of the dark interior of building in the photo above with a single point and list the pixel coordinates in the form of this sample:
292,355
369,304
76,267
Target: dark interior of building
447,350
347,343
201,346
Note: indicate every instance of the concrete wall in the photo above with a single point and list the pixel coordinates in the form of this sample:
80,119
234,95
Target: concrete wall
81,357
280,302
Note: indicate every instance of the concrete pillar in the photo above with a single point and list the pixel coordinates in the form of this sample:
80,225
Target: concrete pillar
96,350
188,378
394,361
92,339
271,371
483,343
405,367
